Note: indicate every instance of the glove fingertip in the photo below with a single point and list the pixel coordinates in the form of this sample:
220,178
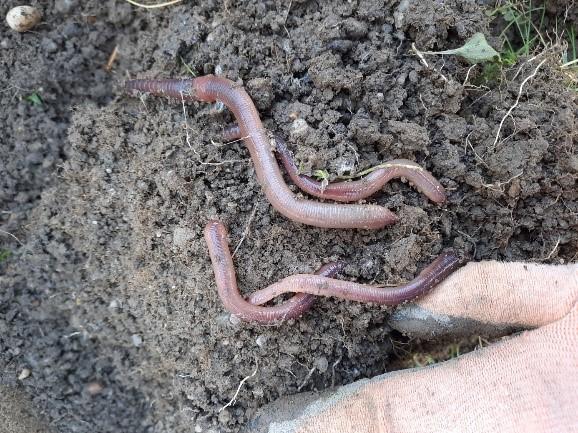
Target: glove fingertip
417,321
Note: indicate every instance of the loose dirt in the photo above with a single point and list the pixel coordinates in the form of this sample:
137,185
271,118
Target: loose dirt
108,297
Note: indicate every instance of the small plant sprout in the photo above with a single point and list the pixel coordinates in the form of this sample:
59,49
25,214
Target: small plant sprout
475,50
322,176
34,99
187,67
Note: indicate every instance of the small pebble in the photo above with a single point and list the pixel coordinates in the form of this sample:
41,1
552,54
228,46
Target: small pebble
94,388
136,340
24,374
299,126
49,45
261,340
219,107
198,429
224,416
182,236
23,18
321,364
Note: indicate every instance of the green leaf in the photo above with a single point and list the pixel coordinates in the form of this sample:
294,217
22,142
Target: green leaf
34,99
475,50
4,254
321,174
509,15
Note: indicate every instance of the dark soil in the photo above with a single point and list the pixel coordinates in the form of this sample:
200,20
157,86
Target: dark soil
108,297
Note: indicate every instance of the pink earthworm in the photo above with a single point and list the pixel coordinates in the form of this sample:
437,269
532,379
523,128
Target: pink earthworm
318,285
349,191
444,265
216,238
328,215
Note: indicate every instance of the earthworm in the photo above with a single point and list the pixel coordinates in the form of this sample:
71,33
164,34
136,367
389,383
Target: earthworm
445,264
319,285
328,215
216,238
358,189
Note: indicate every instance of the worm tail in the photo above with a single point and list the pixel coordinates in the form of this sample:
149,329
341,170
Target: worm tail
232,133
172,88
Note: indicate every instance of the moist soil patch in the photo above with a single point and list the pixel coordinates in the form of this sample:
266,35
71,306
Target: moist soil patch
108,297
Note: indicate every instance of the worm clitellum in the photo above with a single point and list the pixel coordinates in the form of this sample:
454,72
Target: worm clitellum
216,238
358,189
210,89
319,285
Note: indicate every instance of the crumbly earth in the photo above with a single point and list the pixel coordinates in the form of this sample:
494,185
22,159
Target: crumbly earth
108,298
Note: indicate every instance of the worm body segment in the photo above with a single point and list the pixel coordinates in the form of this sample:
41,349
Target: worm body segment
349,191
357,189
319,285
222,261
328,215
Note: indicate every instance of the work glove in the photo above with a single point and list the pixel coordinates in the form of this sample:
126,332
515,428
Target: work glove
524,383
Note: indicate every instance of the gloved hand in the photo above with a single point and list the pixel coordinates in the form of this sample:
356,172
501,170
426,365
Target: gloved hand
524,383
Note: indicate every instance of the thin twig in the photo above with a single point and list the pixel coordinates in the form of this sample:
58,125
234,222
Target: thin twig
478,157
468,75
287,13
232,401
10,234
247,228
530,60
509,112
111,59
231,142
185,117
335,364
570,63
153,6
419,54
306,379
498,185
549,256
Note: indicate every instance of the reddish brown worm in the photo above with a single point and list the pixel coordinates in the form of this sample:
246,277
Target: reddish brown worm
349,191
318,285
216,238
328,215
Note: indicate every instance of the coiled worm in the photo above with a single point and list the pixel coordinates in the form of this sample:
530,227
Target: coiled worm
328,215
